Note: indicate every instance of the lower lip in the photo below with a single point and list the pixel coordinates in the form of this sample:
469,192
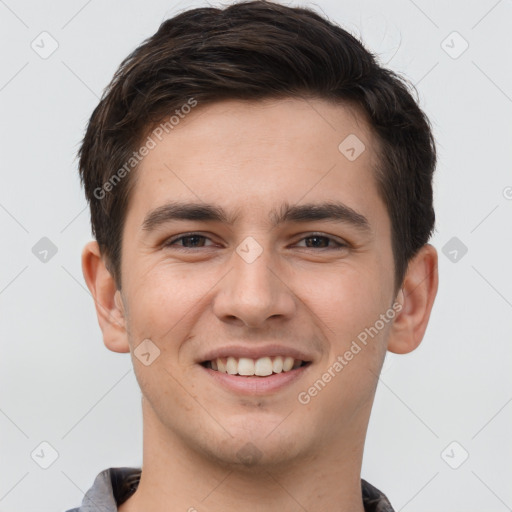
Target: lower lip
256,385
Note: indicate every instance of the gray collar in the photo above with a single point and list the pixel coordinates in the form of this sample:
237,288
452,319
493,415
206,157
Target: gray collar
114,486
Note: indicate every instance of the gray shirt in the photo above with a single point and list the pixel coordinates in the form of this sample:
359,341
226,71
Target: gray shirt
114,486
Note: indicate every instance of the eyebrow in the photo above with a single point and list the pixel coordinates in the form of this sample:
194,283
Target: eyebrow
328,211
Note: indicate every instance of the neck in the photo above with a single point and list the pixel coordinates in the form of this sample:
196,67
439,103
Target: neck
177,477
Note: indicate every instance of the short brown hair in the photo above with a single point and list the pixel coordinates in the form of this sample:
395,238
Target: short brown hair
257,50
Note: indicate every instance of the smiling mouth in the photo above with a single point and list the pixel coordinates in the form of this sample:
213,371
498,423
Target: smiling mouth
262,367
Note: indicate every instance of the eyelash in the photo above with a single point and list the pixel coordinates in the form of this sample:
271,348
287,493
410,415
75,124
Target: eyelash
171,242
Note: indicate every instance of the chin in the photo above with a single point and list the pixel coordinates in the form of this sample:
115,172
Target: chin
257,446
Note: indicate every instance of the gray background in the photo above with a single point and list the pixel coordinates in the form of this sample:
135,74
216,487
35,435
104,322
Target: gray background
60,385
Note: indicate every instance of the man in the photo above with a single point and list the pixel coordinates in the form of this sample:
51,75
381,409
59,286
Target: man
261,197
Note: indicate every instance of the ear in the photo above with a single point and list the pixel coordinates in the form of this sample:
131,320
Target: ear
107,299
417,296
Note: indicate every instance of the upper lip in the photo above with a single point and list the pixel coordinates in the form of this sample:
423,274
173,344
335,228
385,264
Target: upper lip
254,352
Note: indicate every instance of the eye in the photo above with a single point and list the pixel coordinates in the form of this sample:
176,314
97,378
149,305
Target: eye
188,241
320,241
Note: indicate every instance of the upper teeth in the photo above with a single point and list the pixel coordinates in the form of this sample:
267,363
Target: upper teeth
262,367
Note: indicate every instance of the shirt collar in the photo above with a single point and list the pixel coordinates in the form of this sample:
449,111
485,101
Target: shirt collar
114,486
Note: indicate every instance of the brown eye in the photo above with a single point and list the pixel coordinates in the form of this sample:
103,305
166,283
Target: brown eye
189,241
322,242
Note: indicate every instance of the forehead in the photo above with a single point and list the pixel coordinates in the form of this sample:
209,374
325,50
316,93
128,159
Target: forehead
254,156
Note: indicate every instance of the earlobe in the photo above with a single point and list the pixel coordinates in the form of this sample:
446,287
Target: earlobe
107,299
417,296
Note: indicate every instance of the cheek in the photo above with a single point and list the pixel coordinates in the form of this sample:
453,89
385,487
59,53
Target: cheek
161,300
345,300
350,303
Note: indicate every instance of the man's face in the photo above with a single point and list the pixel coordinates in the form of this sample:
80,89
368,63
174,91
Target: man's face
305,287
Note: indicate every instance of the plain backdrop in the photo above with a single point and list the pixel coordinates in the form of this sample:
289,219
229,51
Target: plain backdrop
439,435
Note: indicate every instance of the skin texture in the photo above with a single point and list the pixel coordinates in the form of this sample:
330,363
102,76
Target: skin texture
249,158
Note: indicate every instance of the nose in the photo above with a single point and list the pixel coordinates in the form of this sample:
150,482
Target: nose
254,292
